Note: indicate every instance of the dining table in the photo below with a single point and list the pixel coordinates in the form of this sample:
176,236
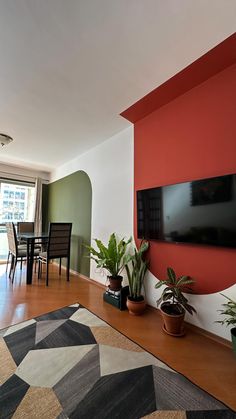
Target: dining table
31,239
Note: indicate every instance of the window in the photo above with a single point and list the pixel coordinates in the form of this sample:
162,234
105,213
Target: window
8,216
16,201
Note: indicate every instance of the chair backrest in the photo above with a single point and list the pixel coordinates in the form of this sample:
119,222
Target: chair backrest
25,227
12,238
59,240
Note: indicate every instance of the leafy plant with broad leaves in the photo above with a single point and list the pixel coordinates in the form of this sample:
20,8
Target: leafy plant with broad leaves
110,257
229,311
137,270
174,288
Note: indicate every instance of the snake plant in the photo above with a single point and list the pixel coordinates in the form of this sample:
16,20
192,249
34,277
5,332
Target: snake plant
136,271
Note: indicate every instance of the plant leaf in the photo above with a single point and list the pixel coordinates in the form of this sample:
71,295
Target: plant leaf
174,288
171,275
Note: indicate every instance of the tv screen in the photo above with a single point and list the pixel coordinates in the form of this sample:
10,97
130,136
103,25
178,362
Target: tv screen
201,212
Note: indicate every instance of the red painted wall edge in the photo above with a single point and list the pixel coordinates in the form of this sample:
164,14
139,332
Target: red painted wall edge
192,137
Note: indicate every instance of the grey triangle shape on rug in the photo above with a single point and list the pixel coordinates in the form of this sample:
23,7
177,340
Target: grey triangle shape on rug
75,385
184,394
45,327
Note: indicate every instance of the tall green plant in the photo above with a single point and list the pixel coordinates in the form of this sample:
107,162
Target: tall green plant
229,311
110,257
137,271
174,287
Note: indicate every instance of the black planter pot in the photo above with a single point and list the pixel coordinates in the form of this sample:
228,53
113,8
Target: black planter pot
233,336
115,282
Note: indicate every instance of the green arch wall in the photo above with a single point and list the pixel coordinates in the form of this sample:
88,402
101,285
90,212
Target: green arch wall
70,200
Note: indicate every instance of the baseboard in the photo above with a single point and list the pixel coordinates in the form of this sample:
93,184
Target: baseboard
75,273
93,281
199,330
210,335
195,329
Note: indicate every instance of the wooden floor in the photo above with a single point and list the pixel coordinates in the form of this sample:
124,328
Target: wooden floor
209,364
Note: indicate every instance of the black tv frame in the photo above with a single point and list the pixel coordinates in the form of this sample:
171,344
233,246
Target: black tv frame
208,193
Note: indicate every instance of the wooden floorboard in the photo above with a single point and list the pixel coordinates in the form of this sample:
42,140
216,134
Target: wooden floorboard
205,362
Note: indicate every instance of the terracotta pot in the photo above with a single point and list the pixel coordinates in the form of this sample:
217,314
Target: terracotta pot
115,282
173,318
136,308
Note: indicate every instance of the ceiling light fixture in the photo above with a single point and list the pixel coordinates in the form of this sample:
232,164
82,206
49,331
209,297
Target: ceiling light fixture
5,139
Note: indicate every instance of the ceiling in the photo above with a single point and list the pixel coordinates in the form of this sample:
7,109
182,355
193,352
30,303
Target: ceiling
68,68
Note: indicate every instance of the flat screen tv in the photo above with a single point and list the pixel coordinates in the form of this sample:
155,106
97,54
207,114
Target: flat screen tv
202,212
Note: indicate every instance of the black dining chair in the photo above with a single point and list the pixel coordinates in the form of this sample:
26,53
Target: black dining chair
58,247
16,251
12,247
25,227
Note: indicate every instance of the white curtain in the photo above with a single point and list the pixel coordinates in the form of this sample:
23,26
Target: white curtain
38,206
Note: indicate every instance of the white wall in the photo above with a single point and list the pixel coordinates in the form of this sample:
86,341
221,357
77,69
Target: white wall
110,168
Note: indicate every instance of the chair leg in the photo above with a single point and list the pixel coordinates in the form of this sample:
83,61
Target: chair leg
11,265
14,269
21,259
60,267
39,269
8,257
47,273
68,269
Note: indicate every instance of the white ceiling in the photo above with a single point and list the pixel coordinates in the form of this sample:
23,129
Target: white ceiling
69,67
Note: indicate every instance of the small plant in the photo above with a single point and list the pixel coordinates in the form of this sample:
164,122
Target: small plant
229,311
136,272
111,257
173,292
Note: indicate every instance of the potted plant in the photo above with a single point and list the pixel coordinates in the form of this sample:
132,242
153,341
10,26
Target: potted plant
230,319
136,273
111,258
173,302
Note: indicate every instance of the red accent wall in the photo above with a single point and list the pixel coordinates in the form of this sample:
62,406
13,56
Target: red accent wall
192,137
217,59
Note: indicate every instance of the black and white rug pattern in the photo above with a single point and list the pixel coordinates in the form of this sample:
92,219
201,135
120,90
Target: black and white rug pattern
71,364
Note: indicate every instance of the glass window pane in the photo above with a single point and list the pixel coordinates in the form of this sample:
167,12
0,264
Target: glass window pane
16,202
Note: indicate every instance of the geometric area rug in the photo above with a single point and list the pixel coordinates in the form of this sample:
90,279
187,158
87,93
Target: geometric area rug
71,364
